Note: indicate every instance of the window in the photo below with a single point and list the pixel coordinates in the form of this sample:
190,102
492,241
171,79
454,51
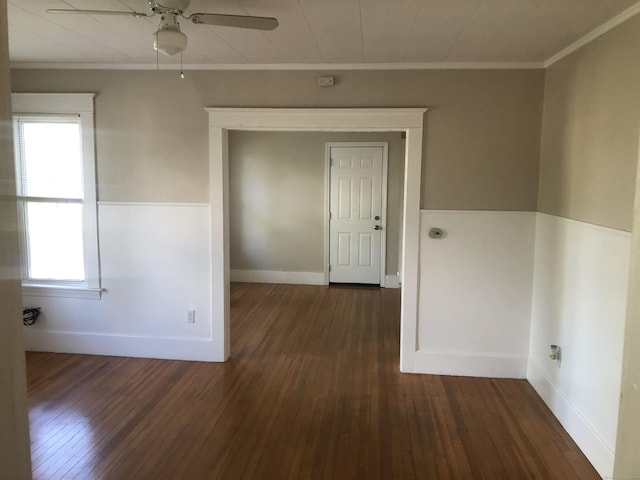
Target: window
55,178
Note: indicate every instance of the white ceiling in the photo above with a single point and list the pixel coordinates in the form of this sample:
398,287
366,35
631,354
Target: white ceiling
314,32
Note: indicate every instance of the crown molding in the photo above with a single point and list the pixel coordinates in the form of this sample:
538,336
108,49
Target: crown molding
285,66
594,34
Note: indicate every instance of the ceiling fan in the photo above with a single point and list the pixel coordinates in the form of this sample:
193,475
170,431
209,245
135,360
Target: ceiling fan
168,39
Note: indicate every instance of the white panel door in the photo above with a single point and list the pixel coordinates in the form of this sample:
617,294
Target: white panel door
355,209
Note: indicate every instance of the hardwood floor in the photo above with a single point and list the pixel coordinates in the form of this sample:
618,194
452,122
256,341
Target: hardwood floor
312,391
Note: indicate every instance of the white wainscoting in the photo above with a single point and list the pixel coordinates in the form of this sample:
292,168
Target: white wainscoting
475,293
579,303
155,266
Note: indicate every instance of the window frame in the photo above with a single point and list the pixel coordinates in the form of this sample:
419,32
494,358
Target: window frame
82,106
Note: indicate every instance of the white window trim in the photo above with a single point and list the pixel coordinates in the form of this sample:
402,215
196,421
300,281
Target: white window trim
81,104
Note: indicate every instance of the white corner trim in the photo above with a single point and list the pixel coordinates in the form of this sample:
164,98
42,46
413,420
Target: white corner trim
283,66
590,442
470,364
170,348
271,276
591,36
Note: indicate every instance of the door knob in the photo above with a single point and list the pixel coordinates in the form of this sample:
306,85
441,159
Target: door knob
376,227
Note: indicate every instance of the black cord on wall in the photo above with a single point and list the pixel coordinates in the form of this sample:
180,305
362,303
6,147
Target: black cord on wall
30,315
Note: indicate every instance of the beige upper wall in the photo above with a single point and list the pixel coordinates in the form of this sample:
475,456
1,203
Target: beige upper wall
14,428
481,146
277,198
590,131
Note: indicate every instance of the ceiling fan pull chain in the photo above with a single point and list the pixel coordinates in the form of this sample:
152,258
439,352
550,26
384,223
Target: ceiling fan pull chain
181,70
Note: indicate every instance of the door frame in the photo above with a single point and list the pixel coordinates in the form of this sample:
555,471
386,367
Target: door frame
221,120
327,203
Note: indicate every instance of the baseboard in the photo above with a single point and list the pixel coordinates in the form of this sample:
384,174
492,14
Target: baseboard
270,276
169,348
391,281
595,449
470,365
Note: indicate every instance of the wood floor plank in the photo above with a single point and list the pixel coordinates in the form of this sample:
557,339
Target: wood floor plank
312,391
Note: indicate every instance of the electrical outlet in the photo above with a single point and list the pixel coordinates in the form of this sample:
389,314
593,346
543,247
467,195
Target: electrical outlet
191,316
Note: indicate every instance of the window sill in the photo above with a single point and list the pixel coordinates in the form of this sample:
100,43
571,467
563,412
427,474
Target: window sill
35,290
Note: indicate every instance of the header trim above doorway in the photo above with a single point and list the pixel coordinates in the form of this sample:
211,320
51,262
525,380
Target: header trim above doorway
317,119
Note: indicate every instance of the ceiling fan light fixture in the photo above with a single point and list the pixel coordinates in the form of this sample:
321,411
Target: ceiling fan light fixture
169,41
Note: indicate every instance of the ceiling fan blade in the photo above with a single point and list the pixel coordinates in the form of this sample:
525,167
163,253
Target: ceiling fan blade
99,12
240,21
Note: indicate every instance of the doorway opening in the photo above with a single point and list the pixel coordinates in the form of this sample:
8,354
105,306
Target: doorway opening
221,120
279,193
